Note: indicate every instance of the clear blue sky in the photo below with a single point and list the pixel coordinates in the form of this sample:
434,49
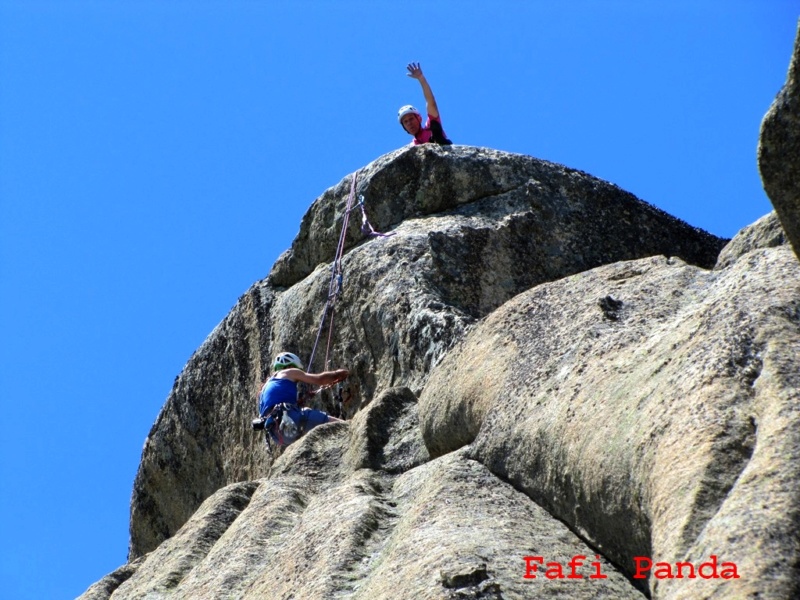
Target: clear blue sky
156,158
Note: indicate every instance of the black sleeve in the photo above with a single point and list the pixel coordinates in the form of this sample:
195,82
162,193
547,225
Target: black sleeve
437,134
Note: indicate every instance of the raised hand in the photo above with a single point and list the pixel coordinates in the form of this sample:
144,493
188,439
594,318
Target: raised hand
414,70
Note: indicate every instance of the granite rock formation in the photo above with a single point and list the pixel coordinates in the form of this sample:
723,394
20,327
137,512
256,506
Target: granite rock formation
339,517
543,365
472,228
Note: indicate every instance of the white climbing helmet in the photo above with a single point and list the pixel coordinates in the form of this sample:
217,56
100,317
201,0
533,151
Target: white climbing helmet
285,360
407,110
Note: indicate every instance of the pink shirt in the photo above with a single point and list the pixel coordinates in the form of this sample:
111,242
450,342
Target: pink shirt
424,135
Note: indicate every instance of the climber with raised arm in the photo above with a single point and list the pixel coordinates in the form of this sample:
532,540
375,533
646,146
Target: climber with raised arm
280,415
411,119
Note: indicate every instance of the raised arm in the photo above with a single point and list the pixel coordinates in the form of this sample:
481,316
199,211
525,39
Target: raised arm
415,72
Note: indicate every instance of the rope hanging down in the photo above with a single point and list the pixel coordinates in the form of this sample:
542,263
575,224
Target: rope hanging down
335,285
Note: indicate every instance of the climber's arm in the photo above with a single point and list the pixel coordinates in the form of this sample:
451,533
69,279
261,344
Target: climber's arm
324,378
415,72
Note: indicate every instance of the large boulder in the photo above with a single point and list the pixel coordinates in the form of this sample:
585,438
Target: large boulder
471,227
764,233
650,405
779,151
577,217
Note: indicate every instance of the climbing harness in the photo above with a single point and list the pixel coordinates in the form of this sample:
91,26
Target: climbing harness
283,424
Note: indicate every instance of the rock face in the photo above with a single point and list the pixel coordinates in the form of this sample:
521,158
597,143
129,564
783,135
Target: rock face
764,233
779,149
544,366
472,228
339,517
649,404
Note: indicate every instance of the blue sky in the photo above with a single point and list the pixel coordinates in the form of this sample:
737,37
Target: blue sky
156,158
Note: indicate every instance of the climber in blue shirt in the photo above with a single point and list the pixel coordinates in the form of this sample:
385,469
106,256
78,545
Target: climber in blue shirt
281,389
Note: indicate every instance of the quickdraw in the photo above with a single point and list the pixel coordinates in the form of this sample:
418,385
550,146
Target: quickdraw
366,227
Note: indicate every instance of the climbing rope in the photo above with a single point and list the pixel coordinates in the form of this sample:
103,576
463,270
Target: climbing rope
335,285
